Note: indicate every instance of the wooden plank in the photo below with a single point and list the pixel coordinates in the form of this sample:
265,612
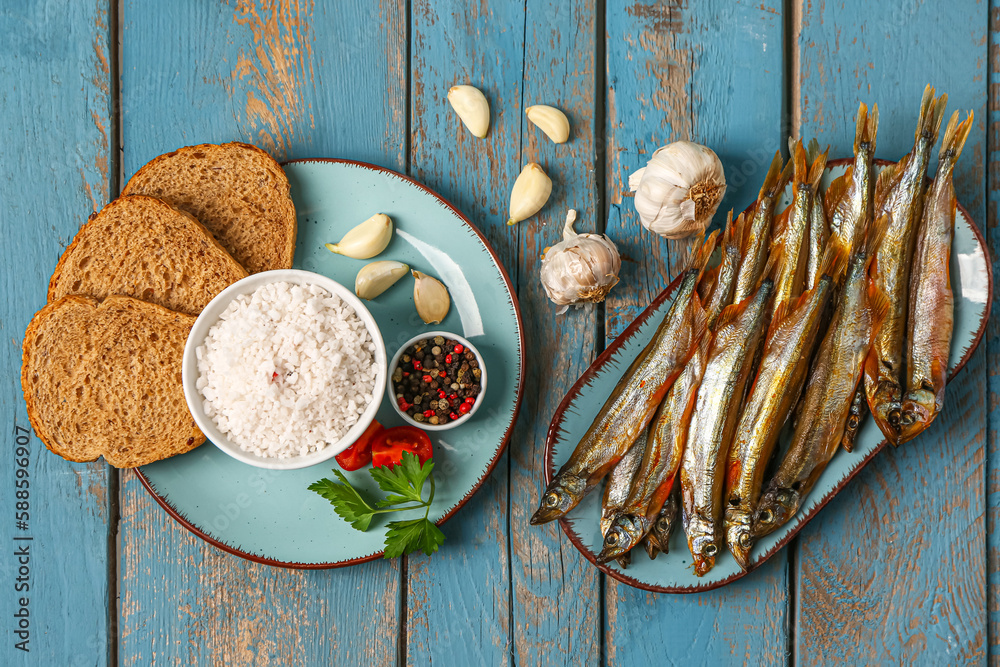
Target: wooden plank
992,342
709,72
556,592
896,564
459,599
300,80
59,163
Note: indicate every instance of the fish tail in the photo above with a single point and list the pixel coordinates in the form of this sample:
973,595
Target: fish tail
867,128
818,167
812,150
700,258
931,113
771,179
954,137
873,239
801,169
775,264
835,257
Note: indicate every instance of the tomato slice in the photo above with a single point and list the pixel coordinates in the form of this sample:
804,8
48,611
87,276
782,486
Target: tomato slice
359,454
389,445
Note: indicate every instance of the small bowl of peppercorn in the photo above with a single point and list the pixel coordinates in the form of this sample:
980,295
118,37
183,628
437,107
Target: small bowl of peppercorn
437,380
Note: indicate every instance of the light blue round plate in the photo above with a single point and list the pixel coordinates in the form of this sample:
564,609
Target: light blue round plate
270,516
972,284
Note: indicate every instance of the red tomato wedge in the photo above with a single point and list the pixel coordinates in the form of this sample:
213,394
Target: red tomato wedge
359,454
389,445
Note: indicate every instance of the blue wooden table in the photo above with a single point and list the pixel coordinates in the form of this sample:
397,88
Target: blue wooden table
900,568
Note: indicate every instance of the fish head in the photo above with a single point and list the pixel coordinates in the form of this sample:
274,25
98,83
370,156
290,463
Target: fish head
739,537
662,528
886,409
703,545
776,507
560,497
625,532
916,414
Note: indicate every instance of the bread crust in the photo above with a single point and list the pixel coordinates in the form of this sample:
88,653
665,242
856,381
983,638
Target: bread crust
277,223
216,259
124,444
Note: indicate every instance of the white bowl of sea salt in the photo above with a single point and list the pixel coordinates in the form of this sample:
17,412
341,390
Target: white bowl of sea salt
284,369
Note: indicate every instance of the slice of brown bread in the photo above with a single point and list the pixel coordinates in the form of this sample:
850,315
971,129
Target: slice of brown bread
104,379
142,247
236,190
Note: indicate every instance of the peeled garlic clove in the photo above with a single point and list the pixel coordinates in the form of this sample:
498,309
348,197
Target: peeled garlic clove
471,106
530,192
549,120
679,190
366,240
377,277
431,298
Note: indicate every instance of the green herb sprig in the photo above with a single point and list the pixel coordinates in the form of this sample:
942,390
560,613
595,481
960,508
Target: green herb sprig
404,484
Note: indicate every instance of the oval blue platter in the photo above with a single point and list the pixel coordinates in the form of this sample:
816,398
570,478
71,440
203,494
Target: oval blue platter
673,572
270,516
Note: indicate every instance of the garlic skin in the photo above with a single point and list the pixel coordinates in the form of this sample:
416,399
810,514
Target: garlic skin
551,121
377,277
471,106
679,190
430,296
530,192
580,269
366,240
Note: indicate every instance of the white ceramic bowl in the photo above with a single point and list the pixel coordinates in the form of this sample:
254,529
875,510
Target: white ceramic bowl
210,315
424,425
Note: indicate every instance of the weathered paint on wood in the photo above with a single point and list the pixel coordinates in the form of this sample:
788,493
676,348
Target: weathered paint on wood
284,75
992,341
896,563
459,599
710,73
556,592
56,154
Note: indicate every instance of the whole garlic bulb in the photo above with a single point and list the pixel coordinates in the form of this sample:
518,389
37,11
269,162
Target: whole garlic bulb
582,268
678,191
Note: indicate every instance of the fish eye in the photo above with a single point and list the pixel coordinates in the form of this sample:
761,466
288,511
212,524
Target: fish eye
663,524
711,549
611,539
894,417
767,516
745,540
552,499
852,422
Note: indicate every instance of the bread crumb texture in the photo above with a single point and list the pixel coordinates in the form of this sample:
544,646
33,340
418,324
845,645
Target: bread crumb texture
104,379
142,247
239,192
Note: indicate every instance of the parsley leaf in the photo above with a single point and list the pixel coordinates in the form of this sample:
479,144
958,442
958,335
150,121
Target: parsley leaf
415,534
405,485
404,482
346,501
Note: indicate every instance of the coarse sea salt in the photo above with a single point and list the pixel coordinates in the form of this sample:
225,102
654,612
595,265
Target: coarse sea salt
287,370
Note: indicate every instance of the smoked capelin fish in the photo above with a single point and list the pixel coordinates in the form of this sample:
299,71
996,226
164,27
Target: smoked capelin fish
819,231
713,420
850,198
633,401
899,194
791,340
793,231
724,283
822,413
618,484
658,539
657,473
756,236
932,304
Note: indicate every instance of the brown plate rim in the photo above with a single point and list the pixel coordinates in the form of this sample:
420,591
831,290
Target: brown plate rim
496,455
591,372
